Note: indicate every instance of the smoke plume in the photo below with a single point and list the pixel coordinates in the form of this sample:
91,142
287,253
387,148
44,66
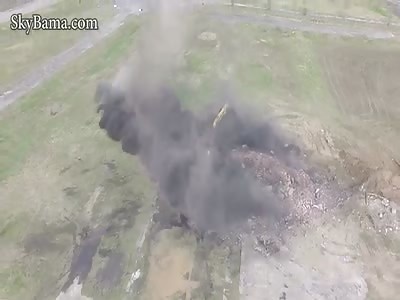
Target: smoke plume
185,155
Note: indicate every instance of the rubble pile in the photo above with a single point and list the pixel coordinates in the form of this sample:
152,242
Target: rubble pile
303,193
382,213
218,170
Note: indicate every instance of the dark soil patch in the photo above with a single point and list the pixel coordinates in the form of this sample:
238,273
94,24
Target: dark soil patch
110,275
369,88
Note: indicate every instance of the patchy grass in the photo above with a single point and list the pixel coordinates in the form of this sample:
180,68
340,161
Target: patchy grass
31,109
373,9
21,53
348,85
51,166
54,176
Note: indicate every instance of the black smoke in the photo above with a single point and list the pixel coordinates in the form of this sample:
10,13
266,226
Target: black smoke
188,158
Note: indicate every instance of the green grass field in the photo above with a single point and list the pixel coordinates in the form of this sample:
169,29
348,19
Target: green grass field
348,84
20,53
61,176
54,176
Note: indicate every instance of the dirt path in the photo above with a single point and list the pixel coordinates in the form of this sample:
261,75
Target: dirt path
307,26
25,9
56,63
316,16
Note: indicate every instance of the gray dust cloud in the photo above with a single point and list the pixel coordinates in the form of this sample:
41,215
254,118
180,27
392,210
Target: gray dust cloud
187,157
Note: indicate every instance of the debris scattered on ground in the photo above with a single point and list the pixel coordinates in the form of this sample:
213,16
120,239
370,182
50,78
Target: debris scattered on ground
207,36
55,109
382,213
303,195
74,292
266,246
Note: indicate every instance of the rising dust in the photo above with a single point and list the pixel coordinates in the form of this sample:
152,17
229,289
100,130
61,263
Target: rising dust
185,155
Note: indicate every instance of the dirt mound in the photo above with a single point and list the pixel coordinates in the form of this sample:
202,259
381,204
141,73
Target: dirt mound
303,192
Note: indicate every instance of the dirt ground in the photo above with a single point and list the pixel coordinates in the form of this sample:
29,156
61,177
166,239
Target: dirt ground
325,91
369,83
90,220
169,268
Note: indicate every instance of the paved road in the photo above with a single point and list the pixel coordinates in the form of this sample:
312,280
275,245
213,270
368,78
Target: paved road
56,63
26,9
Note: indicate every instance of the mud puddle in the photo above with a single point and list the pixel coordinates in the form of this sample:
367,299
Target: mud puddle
182,266
171,263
